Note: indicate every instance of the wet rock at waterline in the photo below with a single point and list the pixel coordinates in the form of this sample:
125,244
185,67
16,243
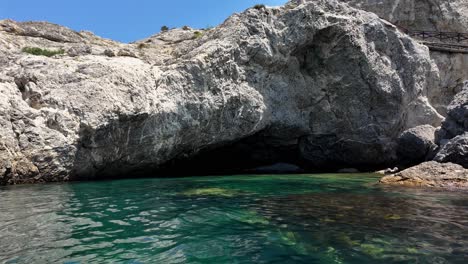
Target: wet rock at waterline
331,86
430,174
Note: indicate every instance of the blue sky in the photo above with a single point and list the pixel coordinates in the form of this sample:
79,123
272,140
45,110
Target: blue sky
126,20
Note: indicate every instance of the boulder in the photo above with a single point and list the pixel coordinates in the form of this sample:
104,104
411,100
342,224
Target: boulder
456,151
416,145
79,50
430,174
453,136
320,85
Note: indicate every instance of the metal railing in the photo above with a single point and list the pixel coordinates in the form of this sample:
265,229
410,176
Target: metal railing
452,37
455,42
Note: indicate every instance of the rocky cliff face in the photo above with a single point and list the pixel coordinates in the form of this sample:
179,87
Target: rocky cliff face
453,136
430,15
453,69
320,85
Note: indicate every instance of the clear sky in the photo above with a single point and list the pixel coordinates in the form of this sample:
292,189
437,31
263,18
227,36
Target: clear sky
126,20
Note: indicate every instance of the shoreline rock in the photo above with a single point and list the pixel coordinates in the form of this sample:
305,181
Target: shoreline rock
430,174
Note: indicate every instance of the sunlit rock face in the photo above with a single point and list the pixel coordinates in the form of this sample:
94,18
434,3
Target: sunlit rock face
437,15
430,15
320,85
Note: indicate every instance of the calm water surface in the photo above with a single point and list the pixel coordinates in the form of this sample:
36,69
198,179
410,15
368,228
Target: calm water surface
234,219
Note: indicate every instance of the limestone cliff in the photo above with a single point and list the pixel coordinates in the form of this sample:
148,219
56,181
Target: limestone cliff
430,15
320,85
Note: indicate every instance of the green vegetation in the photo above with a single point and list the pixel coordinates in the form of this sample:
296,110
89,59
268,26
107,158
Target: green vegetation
42,52
164,28
142,46
259,7
197,34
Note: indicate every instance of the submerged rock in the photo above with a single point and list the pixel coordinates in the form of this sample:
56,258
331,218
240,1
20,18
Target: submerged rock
321,85
430,174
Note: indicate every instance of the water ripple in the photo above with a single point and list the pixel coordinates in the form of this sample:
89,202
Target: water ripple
242,219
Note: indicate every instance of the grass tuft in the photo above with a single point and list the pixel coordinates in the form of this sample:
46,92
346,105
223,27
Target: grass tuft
197,34
42,52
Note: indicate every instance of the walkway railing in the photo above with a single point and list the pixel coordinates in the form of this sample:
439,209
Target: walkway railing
440,36
441,41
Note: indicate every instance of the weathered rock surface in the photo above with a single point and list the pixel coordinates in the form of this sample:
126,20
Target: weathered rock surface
430,15
430,174
453,69
456,151
320,85
453,136
417,144
456,122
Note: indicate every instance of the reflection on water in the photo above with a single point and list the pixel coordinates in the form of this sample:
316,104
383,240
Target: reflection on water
235,219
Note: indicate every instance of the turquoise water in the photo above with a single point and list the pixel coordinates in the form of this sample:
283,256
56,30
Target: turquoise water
235,219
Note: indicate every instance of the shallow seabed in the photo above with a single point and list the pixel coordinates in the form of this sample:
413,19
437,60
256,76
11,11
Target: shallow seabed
232,219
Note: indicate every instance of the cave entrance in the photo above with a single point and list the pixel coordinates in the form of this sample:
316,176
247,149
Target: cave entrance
259,153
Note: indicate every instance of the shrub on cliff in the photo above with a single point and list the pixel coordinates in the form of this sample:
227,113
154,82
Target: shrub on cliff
42,52
259,7
197,34
164,28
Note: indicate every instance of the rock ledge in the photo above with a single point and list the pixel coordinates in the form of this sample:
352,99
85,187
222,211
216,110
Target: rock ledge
430,174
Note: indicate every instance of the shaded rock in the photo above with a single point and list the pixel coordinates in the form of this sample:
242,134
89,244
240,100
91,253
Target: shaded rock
109,53
453,136
430,174
417,144
126,53
456,151
79,50
453,68
456,122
